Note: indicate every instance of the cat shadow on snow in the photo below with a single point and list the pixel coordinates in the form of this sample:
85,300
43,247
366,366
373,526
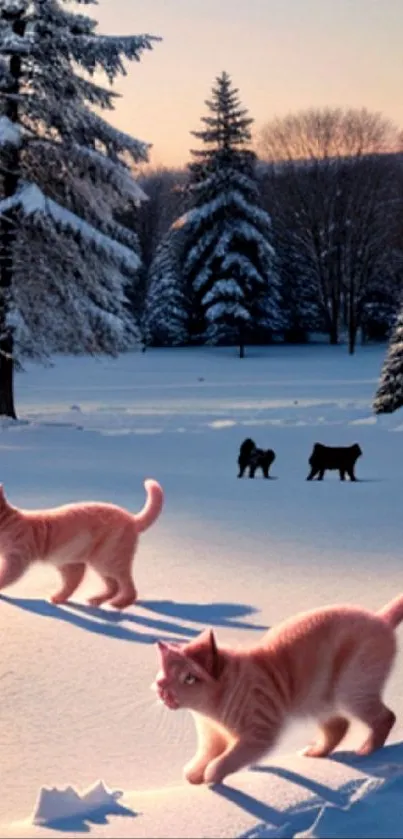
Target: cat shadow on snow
110,623
269,818
382,763
378,764
385,763
97,620
212,614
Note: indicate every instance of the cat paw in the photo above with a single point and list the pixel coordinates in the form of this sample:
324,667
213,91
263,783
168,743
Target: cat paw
214,772
124,601
57,599
96,601
315,750
367,748
194,773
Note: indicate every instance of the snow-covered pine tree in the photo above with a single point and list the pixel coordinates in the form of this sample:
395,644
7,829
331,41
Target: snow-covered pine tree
64,171
382,300
389,396
166,311
229,266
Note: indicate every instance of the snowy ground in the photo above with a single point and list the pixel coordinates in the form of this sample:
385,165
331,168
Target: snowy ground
76,705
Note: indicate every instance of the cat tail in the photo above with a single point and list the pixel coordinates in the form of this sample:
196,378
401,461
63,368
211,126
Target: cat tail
392,613
153,506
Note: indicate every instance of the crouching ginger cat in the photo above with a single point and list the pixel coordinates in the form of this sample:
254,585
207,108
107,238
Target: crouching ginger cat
70,537
329,663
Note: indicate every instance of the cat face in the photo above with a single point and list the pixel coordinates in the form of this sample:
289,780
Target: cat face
189,673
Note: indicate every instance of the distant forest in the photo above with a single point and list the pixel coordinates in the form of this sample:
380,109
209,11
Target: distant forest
301,234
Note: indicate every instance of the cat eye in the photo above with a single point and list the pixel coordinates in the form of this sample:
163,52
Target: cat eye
189,679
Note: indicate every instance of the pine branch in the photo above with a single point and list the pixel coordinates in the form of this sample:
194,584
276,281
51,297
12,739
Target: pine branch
31,201
103,52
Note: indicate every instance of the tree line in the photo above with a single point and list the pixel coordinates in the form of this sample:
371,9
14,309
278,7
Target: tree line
296,233
322,188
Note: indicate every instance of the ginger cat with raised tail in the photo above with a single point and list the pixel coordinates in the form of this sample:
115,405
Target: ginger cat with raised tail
330,663
73,536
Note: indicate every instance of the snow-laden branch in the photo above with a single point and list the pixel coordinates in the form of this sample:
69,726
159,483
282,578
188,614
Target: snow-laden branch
33,202
95,164
12,44
104,52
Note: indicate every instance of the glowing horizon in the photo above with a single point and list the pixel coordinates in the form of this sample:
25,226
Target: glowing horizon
283,55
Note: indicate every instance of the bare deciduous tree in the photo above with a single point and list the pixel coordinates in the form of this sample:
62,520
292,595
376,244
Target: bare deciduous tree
327,133
336,207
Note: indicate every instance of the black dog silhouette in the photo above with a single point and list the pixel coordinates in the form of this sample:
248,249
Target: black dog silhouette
342,458
254,458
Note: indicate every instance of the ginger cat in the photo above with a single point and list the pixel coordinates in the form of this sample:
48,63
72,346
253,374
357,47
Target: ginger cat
70,537
329,663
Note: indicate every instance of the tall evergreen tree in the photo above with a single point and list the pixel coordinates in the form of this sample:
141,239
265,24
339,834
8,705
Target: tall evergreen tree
166,312
389,395
64,171
229,264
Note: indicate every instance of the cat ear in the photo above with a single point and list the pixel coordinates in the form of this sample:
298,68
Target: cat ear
167,651
203,651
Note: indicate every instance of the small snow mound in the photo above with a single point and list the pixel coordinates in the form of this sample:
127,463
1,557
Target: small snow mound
57,804
224,423
364,421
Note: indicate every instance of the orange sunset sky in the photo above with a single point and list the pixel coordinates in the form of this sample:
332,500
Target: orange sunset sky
283,55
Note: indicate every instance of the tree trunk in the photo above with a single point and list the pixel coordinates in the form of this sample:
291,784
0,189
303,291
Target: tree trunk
7,408
334,318
352,325
11,173
333,334
352,335
241,344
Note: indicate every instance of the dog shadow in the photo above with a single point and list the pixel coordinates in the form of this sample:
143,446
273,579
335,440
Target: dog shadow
214,614
262,478
100,621
369,480
336,479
